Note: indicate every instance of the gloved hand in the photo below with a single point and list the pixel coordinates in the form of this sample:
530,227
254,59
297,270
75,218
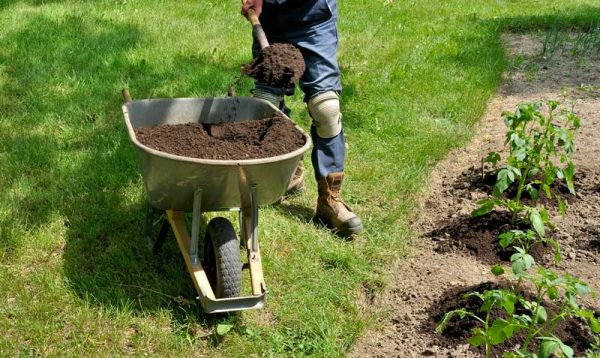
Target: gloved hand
255,5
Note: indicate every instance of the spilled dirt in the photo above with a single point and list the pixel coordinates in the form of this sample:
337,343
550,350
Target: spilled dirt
453,251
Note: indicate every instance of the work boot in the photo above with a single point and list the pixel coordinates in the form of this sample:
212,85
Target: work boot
332,211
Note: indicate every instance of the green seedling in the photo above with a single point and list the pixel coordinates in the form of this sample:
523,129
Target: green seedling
531,317
537,142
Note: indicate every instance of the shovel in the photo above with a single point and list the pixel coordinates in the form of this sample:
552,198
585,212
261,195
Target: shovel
257,30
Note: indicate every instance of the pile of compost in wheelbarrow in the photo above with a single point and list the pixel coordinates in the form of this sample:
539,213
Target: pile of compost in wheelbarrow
279,65
253,139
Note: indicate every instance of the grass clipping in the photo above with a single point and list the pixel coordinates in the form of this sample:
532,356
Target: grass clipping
279,65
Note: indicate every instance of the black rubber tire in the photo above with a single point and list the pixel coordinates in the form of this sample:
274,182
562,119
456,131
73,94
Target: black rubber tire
222,258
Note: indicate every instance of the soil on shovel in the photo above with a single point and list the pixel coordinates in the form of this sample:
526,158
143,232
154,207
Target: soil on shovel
279,65
254,139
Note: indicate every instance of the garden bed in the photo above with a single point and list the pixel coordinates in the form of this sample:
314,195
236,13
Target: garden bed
454,250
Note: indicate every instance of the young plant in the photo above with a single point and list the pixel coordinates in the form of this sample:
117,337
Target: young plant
521,314
536,142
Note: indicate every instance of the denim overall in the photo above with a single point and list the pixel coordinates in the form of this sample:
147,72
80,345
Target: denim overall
310,25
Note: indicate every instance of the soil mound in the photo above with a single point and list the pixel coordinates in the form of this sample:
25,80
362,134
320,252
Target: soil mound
279,65
571,331
254,139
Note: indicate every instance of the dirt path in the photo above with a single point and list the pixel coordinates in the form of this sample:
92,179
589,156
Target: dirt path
440,260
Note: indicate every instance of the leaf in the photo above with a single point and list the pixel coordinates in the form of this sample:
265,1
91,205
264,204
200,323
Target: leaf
533,192
594,324
547,349
500,331
492,158
497,270
224,328
550,345
503,181
562,206
507,238
521,262
509,301
485,206
541,315
582,289
569,172
567,351
537,222
447,317
557,252
478,338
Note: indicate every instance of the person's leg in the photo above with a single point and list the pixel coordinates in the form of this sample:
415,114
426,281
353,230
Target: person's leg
322,86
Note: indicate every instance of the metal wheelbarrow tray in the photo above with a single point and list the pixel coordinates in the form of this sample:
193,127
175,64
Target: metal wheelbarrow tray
180,184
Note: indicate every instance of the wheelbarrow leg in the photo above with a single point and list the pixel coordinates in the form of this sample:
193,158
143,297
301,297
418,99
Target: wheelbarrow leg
196,221
162,235
155,217
249,233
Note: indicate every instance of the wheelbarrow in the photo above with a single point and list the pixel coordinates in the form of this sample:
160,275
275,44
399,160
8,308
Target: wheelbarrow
177,185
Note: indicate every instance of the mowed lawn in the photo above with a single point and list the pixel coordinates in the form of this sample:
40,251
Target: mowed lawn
76,275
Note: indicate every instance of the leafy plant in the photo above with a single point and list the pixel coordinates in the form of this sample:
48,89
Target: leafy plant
521,314
536,142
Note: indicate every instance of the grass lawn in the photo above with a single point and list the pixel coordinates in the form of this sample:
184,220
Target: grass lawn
76,276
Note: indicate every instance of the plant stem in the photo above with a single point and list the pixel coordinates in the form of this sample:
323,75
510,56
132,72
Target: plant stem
531,329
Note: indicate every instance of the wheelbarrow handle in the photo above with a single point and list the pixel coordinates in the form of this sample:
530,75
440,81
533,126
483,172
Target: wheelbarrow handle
126,95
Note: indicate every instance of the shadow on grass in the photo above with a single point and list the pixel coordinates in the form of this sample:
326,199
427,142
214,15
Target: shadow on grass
295,211
4,4
69,158
582,18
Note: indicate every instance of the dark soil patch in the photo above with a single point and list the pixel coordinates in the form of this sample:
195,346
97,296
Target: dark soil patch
478,236
261,138
279,65
473,179
572,331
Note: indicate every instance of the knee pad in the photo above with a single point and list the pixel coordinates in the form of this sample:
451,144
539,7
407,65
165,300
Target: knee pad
275,99
324,109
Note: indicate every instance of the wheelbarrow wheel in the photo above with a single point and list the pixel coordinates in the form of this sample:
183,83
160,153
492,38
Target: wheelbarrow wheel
222,258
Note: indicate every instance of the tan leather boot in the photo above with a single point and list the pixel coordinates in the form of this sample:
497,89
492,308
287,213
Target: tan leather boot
332,211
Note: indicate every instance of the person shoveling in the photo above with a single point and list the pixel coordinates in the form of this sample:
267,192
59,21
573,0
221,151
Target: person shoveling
305,40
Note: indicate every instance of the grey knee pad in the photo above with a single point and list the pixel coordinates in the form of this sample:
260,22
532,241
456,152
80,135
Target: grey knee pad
275,99
324,109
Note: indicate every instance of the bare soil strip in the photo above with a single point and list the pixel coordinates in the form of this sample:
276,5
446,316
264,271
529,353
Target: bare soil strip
450,253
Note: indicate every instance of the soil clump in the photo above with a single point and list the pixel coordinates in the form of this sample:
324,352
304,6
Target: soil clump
254,139
279,65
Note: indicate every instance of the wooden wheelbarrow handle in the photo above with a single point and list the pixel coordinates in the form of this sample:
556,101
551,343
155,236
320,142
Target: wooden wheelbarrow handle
126,95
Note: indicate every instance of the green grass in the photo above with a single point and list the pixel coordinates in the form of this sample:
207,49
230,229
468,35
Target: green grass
75,275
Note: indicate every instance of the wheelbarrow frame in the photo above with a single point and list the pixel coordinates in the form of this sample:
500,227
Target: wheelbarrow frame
249,201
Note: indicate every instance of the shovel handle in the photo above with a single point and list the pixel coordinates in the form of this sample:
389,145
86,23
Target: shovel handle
251,16
257,30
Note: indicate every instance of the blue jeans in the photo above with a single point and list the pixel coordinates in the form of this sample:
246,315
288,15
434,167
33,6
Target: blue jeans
310,25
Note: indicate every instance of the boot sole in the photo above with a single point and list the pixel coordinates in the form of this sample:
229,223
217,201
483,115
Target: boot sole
347,232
